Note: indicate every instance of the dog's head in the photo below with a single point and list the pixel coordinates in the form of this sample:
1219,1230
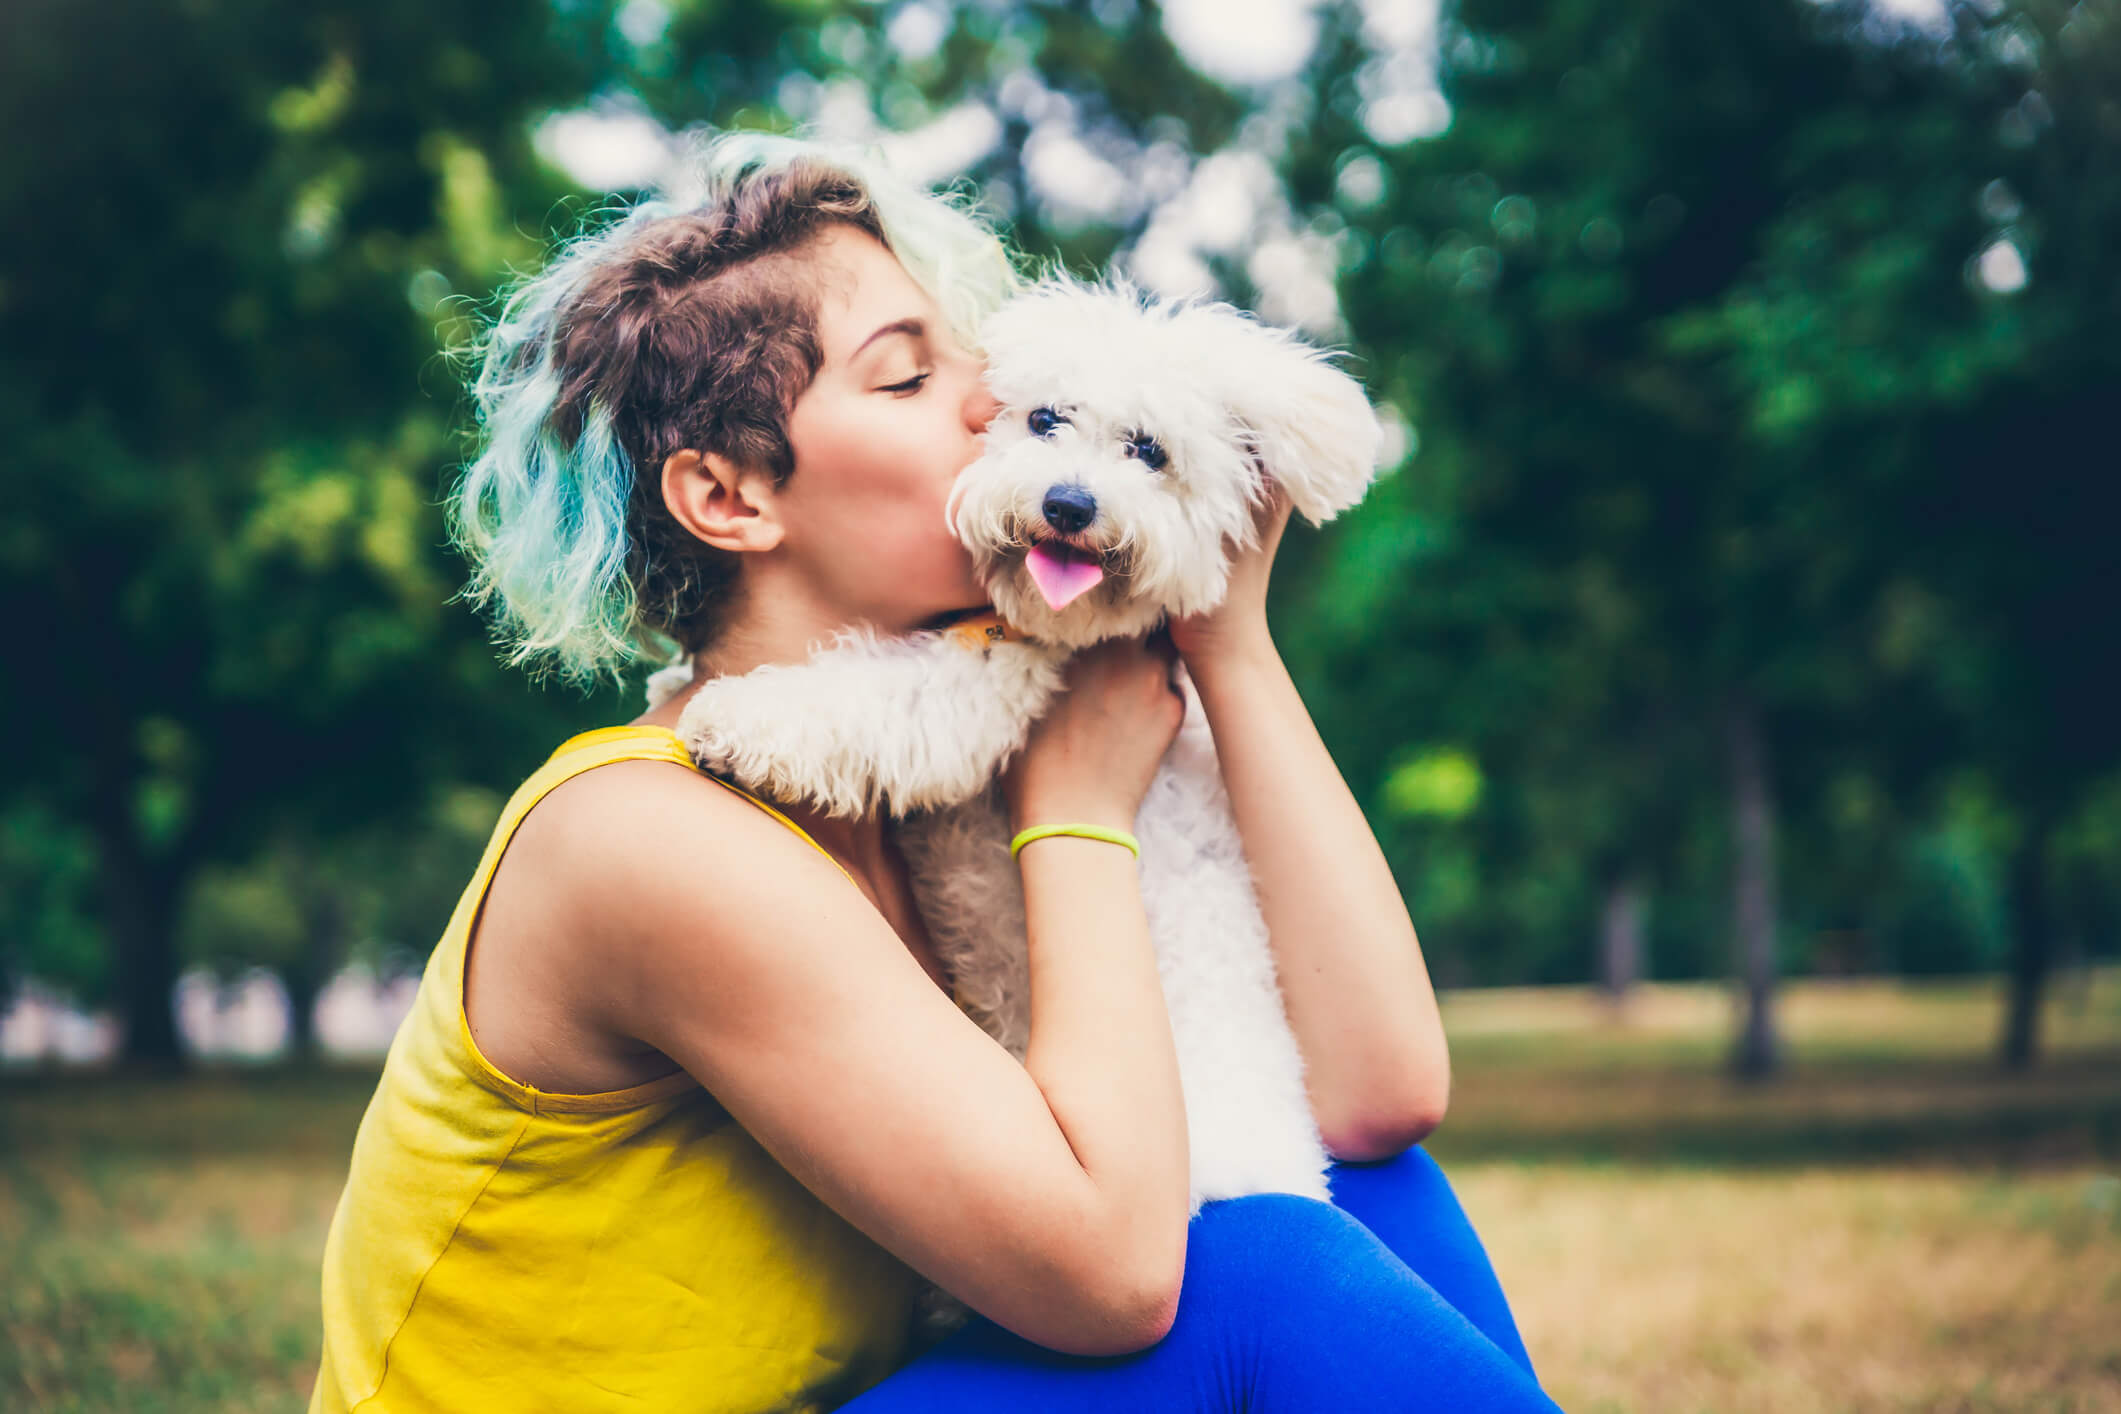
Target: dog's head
1136,440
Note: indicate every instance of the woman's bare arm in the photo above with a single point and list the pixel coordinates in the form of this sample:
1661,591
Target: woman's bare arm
1043,1194
1352,974
1100,1047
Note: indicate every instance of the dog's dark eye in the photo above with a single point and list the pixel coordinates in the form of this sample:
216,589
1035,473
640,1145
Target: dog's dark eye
1042,421
1151,453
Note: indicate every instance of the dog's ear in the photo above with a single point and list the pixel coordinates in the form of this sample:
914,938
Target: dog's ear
1308,423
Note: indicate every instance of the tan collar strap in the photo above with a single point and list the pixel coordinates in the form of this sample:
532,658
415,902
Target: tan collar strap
984,630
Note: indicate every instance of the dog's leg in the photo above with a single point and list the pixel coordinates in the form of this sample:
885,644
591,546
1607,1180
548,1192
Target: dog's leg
972,900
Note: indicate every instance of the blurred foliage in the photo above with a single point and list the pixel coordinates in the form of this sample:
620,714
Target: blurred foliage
1752,361
381,890
224,259
1750,376
47,918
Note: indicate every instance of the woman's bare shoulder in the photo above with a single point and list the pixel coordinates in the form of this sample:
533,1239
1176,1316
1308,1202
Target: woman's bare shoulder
635,868
606,833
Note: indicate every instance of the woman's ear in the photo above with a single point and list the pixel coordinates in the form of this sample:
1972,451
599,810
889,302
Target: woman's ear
722,504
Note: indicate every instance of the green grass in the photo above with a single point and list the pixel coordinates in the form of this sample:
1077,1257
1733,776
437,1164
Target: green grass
160,1237
1892,1225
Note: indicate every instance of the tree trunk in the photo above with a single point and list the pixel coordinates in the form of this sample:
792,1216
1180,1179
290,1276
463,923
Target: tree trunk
1620,937
323,944
1753,892
2032,928
139,887
140,909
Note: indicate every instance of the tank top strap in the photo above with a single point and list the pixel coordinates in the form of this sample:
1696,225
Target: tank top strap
605,745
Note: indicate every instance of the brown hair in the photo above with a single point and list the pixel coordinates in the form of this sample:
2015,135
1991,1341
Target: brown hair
699,333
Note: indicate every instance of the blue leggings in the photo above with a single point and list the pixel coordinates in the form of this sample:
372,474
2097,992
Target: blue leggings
1382,1299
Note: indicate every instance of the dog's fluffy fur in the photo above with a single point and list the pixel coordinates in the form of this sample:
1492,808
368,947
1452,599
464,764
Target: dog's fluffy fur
1172,416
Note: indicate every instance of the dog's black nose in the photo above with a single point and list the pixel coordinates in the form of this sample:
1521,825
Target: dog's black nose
1069,508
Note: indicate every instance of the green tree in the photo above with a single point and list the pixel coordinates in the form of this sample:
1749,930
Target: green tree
1678,305
225,252
1932,316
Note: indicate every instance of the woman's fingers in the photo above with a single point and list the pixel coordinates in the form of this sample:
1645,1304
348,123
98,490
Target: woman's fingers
1101,739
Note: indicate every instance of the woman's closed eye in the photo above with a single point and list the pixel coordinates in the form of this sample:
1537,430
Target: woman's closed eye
911,385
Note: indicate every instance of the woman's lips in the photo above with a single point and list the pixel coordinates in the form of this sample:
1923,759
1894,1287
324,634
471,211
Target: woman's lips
1062,573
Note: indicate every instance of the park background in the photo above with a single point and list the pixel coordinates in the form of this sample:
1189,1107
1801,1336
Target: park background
1727,661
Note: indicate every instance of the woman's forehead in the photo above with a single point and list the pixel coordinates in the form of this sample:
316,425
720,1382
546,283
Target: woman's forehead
865,289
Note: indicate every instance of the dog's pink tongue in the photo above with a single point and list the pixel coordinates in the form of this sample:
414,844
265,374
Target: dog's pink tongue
1061,577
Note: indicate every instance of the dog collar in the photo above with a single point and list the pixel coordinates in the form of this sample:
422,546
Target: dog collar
984,631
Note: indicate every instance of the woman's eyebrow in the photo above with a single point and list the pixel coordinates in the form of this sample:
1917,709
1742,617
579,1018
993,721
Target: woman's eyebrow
897,326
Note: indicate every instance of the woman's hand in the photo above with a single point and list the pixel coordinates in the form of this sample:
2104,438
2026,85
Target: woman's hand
1091,757
1240,621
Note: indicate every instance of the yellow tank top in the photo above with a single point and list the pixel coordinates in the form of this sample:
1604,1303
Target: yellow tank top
501,1248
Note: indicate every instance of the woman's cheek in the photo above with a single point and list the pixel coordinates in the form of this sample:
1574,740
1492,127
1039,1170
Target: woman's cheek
949,563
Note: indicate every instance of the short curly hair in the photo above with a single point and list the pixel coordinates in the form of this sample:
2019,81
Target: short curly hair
690,322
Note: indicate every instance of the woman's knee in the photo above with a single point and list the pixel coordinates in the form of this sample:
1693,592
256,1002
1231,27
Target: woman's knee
1277,1242
1410,1170
1292,1289
1388,1195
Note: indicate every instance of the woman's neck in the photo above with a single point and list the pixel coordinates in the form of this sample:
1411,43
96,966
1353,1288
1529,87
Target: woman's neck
778,619
767,629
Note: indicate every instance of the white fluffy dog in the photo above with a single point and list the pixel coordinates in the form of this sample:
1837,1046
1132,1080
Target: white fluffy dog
1135,443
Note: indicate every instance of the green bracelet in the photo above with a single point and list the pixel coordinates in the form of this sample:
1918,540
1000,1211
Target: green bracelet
1088,832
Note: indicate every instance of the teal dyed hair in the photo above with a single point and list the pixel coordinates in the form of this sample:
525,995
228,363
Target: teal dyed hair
630,345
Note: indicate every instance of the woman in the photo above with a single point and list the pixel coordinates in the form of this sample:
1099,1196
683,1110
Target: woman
684,1106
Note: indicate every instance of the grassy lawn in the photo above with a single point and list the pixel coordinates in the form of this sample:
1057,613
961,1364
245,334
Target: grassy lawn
1892,1226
